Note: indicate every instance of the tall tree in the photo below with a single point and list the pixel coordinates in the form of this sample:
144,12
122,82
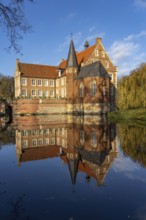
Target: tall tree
14,22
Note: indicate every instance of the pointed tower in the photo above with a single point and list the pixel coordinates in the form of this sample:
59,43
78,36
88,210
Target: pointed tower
73,168
71,72
72,64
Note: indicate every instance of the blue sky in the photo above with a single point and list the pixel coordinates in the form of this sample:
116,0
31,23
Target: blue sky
120,23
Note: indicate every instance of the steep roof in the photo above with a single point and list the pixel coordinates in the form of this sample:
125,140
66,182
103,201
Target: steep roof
38,71
72,60
39,153
73,168
96,157
81,56
93,70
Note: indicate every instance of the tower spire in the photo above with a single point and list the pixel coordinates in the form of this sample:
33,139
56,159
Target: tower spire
72,59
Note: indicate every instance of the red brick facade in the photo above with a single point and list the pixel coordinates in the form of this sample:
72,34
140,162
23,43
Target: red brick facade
86,81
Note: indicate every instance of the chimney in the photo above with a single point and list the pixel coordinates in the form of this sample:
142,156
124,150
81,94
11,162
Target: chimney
98,40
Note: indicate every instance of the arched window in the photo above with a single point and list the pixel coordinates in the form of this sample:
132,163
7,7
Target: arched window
81,90
93,139
93,88
82,138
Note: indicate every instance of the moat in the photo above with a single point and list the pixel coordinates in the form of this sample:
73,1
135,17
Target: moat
71,168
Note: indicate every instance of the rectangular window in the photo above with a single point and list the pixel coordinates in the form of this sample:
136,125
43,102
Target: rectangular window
46,141
52,141
24,92
40,142
46,93
34,142
24,143
46,131
39,92
39,82
23,81
51,93
33,82
24,133
34,132
51,83
33,92
40,132
45,82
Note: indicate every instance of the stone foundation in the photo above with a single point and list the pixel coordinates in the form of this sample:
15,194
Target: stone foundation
40,106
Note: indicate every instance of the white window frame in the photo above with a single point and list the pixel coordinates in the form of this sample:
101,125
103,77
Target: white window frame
39,82
34,92
24,81
24,90
52,91
40,93
34,142
46,82
46,93
33,80
51,83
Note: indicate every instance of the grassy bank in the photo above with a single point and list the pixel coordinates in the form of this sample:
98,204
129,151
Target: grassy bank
126,116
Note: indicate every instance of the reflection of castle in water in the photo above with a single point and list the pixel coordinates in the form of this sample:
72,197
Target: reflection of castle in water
86,145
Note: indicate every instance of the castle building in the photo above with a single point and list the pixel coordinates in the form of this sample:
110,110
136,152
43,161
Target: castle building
87,146
86,81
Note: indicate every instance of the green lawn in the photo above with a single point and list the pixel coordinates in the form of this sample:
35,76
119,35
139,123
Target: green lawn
130,115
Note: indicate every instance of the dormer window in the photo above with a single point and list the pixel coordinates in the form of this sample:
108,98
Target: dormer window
59,73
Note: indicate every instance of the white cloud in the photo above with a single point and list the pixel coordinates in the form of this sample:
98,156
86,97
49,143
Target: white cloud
140,3
121,49
128,53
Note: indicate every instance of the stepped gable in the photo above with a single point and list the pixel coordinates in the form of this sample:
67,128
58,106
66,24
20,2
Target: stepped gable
93,70
38,71
81,56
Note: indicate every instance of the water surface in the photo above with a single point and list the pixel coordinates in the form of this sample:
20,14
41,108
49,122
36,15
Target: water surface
72,168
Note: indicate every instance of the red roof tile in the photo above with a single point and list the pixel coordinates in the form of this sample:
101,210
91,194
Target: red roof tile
38,71
81,56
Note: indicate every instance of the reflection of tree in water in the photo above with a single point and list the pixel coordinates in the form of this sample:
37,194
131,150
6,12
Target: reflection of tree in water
133,142
17,209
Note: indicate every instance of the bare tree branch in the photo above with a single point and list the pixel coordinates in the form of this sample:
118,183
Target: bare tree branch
14,23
